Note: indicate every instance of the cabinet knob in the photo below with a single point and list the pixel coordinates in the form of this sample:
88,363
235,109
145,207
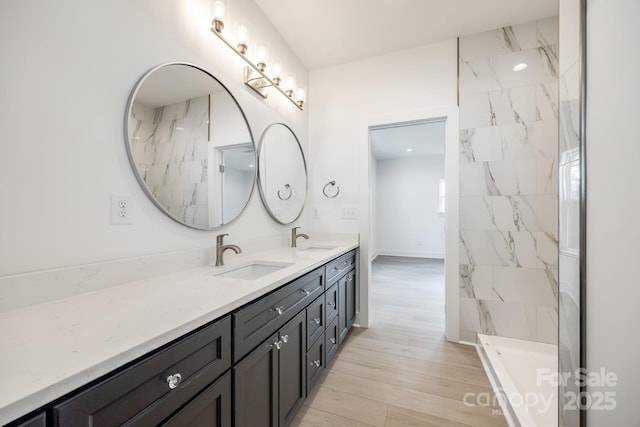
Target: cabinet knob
279,310
332,340
285,338
316,321
306,291
174,380
315,363
331,304
278,344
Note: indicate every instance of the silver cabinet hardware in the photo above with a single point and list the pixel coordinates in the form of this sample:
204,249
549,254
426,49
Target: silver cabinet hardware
279,310
332,340
278,344
331,304
285,339
315,363
306,291
316,321
174,380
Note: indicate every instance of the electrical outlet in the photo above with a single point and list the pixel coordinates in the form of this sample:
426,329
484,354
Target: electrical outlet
349,212
121,209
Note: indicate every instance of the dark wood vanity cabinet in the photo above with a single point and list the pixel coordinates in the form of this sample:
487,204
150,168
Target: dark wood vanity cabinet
270,383
254,367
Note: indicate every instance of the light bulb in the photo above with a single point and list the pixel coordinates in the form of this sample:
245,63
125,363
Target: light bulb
218,16
243,36
289,84
301,94
277,71
261,55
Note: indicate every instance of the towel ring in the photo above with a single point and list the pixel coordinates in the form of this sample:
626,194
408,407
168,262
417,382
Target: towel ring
286,187
332,184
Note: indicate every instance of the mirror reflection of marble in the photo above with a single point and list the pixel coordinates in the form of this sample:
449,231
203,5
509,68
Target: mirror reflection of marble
282,173
190,146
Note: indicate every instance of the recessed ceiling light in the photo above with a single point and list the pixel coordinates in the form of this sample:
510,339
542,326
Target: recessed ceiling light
520,67
408,150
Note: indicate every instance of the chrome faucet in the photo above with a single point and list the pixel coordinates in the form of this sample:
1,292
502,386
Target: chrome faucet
295,235
220,248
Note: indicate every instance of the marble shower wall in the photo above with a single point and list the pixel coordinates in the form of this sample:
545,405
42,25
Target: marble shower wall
173,140
509,182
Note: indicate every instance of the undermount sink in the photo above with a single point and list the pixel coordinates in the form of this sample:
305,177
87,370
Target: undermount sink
253,270
316,248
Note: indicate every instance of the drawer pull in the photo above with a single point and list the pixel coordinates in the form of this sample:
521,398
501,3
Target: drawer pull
331,304
279,310
278,344
332,340
315,363
316,321
285,338
174,380
306,291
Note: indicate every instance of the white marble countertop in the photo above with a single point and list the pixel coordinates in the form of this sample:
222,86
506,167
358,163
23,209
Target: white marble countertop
50,349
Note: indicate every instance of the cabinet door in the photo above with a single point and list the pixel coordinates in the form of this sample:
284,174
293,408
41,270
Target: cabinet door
351,297
315,320
256,387
292,369
211,408
343,317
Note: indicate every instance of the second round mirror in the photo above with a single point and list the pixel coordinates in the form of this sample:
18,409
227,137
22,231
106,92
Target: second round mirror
282,173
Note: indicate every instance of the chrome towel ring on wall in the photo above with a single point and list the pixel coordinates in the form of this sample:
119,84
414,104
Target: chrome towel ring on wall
333,185
286,187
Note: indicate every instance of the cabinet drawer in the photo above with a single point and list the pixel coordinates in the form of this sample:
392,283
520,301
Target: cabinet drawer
315,362
339,266
255,322
331,300
141,394
211,408
332,334
315,320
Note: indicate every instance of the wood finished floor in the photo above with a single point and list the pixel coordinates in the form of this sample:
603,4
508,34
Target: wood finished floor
401,371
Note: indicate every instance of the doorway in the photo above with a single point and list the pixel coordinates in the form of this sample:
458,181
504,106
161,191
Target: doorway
447,118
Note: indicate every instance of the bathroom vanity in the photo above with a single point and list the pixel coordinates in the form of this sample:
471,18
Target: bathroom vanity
249,356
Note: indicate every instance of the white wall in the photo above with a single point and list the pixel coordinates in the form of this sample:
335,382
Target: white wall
344,101
408,222
613,202
67,72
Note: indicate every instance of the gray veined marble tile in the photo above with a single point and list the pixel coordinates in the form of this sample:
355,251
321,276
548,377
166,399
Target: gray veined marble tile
514,142
476,76
513,105
478,248
476,145
512,320
544,136
476,213
547,101
476,281
547,250
514,248
547,176
475,111
548,31
516,213
522,285
485,319
507,178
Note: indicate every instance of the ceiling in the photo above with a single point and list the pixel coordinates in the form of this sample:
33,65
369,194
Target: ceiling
423,139
331,32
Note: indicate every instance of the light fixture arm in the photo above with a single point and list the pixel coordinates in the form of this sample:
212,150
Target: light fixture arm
260,82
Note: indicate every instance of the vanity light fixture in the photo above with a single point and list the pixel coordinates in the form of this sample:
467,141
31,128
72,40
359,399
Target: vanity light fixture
520,67
255,75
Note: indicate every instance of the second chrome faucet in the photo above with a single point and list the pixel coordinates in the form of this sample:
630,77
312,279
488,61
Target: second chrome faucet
295,235
221,247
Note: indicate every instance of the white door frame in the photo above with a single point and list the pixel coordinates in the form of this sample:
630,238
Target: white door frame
452,292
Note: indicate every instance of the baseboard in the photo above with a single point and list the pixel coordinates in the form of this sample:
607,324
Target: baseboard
411,254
